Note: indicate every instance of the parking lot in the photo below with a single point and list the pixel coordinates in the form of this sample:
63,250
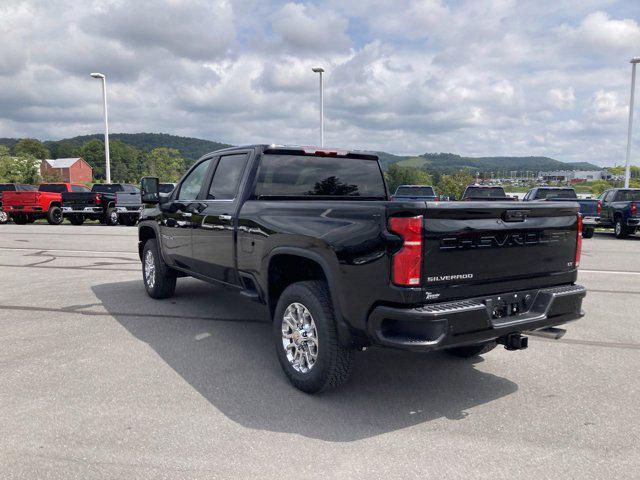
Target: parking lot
97,380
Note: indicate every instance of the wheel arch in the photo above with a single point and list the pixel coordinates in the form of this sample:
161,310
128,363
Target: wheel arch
313,266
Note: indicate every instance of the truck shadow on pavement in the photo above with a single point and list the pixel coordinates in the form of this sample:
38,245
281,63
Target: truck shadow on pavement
221,344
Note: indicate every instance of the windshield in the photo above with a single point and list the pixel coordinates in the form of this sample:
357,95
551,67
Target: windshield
628,196
107,188
415,192
485,192
53,187
305,176
556,193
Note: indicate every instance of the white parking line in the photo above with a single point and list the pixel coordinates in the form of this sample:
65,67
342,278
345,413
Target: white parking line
617,272
62,250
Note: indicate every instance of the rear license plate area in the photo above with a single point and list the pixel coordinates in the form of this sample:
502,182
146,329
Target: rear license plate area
509,305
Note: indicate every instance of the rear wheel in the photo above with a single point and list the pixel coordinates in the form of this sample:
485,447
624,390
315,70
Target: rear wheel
588,232
620,230
4,217
19,219
54,215
129,220
469,351
159,278
112,217
76,219
30,218
306,338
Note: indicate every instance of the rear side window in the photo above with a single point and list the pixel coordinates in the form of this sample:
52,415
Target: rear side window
302,176
557,193
227,177
415,192
7,187
53,187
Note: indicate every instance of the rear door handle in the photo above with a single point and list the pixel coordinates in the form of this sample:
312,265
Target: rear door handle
224,217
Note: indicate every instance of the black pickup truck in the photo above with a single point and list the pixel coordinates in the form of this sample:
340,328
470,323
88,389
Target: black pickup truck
589,208
620,211
485,193
12,187
312,235
98,204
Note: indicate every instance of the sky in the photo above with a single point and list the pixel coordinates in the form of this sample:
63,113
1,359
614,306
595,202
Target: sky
476,77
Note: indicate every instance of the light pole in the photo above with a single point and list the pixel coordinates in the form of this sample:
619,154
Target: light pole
320,71
106,125
627,170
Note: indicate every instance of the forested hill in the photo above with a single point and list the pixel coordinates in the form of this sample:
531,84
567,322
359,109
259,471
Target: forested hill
191,148
449,162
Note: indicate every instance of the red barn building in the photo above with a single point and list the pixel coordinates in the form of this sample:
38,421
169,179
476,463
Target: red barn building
72,170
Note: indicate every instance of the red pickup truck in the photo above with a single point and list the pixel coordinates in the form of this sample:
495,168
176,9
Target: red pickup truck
46,202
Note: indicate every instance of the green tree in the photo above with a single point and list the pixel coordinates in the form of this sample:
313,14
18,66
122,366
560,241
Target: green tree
30,147
599,186
453,185
24,169
166,164
93,153
399,175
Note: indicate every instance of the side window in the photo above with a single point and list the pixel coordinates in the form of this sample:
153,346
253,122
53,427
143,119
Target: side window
526,197
227,177
191,185
79,188
609,196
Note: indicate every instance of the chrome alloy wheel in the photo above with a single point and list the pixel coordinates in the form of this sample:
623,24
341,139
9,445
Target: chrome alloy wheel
114,217
149,269
299,337
618,228
4,217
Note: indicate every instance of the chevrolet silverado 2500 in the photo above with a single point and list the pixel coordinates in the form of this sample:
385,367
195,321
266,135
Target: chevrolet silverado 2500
312,235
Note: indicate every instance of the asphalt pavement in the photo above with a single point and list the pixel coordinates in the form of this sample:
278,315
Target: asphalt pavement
97,380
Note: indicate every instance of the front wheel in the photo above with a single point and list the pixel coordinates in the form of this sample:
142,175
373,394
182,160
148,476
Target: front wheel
4,217
159,279
469,351
54,215
306,338
588,232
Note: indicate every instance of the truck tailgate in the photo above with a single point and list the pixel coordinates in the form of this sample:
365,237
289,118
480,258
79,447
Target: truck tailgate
79,199
468,243
22,199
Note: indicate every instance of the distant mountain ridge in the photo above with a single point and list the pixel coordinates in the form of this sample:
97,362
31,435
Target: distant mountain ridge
194,148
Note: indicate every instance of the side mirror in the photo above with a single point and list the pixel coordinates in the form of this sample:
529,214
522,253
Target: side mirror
150,190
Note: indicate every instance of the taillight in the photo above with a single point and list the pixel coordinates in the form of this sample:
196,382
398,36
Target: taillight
98,199
578,242
406,263
634,209
599,208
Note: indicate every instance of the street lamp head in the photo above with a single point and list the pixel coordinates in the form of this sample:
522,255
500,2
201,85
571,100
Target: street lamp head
635,60
317,69
97,75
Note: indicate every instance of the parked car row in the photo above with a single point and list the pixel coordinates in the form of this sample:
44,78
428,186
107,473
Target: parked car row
111,204
616,208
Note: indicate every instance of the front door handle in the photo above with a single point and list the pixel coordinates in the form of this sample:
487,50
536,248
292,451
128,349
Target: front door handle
224,217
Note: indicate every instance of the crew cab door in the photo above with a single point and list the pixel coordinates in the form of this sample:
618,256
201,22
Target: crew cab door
214,224
606,212
176,225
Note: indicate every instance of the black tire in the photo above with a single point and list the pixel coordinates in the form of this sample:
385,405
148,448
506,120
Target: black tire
469,351
588,232
54,215
76,219
4,217
31,219
19,219
112,217
334,361
164,280
619,229
129,220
